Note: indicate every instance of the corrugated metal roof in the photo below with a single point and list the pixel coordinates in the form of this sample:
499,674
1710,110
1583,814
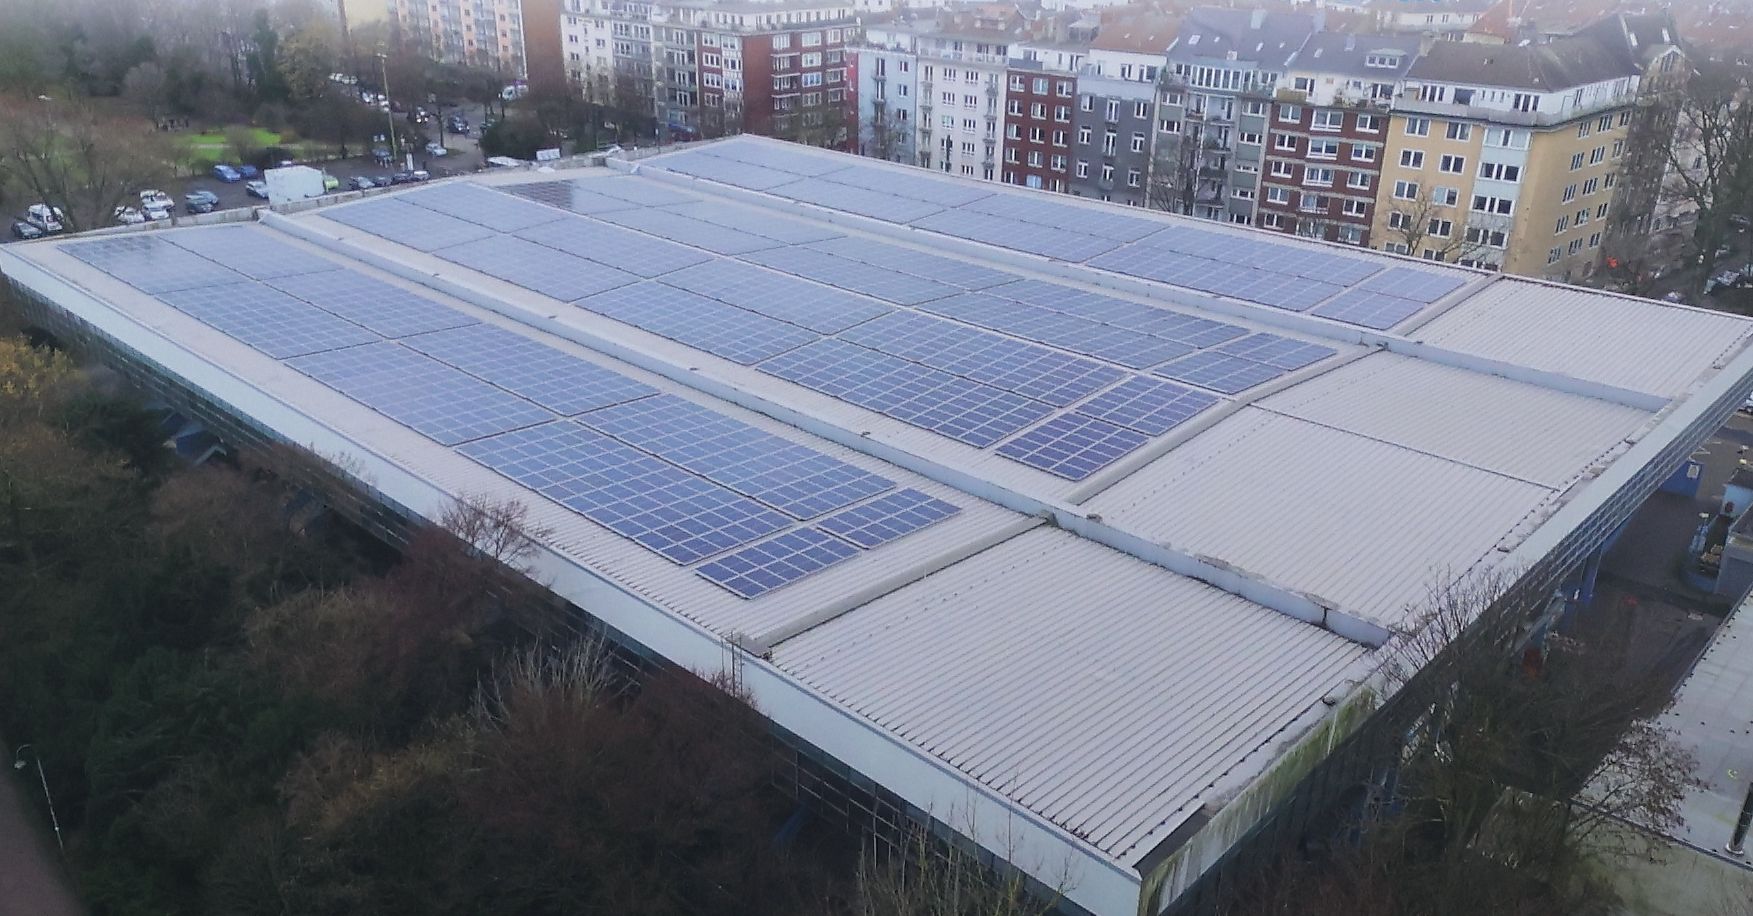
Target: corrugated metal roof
1513,428
1101,691
1638,344
1365,524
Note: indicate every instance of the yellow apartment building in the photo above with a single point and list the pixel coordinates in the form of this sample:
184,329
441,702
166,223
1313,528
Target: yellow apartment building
1505,157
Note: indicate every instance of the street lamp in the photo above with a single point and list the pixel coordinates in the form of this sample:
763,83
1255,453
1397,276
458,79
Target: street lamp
383,59
19,764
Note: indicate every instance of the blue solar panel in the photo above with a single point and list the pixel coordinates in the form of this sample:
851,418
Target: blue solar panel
888,518
1278,352
1150,406
383,307
1132,349
1072,445
847,274
250,250
536,267
1047,241
742,218
151,264
1362,307
966,411
267,319
701,323
1413,283
569,195
760,568
624,249
793,478
663,508
420,392
1220,371
1027,369
702,164
916,263
776,295
493,209
405,224
641,191
668,224
558,381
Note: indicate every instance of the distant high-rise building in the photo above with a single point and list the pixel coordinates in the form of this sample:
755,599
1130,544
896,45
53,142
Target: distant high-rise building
478,33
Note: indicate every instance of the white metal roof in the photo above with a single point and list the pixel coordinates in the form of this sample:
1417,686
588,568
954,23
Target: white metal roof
1046,656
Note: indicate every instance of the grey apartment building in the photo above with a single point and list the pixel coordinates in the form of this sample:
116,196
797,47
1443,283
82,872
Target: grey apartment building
1111,140
1217,92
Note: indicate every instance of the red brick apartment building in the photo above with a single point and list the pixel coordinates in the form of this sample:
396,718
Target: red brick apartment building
1037,125
1326,136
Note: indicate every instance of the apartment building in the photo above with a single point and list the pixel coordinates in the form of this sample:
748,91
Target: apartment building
1326,136
707,69
1507,156
1038,125
1641,204
478,33
1112,136
886,96
1224,67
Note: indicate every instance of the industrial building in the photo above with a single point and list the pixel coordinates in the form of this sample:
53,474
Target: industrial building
1076,528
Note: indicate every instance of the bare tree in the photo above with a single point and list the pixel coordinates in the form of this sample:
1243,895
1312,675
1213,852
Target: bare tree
884,135
146,86
1426,224
1710,161
1502,775
69,155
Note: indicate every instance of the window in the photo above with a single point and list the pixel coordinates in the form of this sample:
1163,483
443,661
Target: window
1431,254
1282,169
1328,120
1169,126
1500,171
1248,137
1016,84
1062,113
1454,165
1013,132
1137,142
1141,110
1083,134
1322,177
1412,158
1250,107
1594,240
1314,203
1086,103
1583,129
1290,114
1460,131
1598,155
1601,212
1487,204
1113,113
1607,180
1358,181
1618,148
1553,254
1576,162
1369,123
1398,220
1363,152
1590,186
1038,111
1569,194
1059,138
1057,163
1525,101
1562,225
1271,221
1108,142
1303,83
1575,246
1495,238
1083,169
1356,208
1242,193
1406,190
1107,172
1417,127
1441,228
1582,217
1132,178
1277,195
1606,122
1323,149
1445,197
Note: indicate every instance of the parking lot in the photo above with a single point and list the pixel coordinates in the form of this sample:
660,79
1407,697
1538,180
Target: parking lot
464,156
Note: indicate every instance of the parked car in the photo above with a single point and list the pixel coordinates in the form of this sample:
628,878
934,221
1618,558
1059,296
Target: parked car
381,154
129,216
257,188
226,173
152,198
331,183
360,183
200,201
249,172
22,229
44,217
156,211
401,177
420,174
436,150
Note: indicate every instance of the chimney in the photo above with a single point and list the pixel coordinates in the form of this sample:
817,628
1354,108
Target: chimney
1256,19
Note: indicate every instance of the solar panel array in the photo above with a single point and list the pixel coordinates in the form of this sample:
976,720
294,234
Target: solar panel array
499,212
406,224
699,322
537,268
613,246
822,267
679,479
574,195
824,309
668,224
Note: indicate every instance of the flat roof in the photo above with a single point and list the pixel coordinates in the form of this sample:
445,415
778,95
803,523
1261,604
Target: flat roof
1070,516
1709,718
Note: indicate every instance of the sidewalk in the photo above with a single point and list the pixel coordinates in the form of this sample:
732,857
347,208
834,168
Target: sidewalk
31,881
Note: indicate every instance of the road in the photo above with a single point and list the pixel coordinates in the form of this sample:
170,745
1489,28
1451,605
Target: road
31,880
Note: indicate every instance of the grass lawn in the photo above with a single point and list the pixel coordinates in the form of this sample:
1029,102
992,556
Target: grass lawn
209,147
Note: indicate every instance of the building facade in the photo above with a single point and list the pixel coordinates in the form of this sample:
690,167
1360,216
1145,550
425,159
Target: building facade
1224,67
1326,136
479,33
1038,126
1111,152
887,93
1507,157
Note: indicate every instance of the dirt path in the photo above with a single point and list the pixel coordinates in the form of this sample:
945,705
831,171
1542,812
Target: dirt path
31,880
